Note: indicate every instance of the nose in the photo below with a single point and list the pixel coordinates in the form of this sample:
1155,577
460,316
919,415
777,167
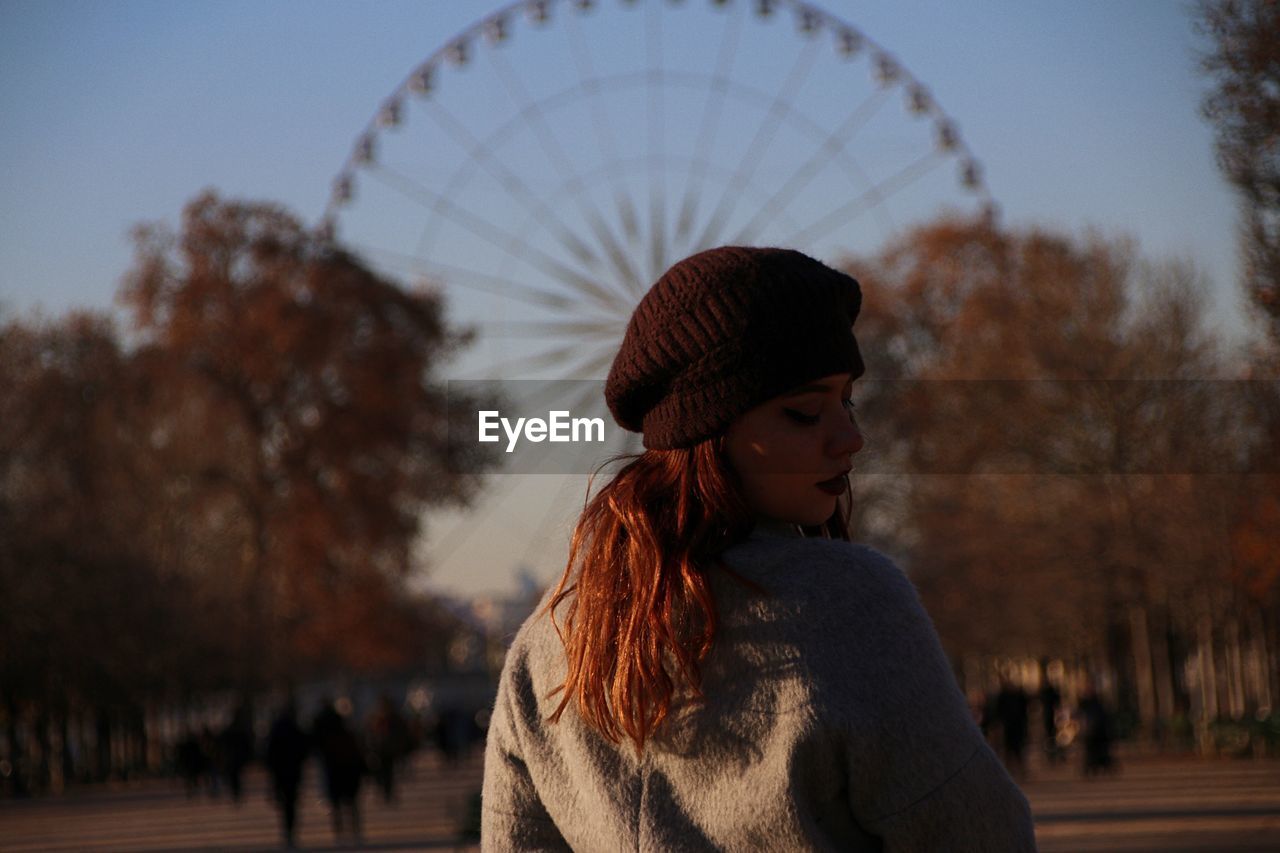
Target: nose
847,438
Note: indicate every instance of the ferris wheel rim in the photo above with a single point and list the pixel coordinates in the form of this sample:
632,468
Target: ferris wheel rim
564,351
894,72
819,133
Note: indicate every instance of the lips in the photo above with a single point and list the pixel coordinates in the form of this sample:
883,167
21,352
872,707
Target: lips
835,486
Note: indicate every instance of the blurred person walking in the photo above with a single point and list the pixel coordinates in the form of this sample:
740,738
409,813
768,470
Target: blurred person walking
1050,704
287,750
720,668
389,742
1096,731
343,760
235,750
212,760
191,761
453,734
1011,707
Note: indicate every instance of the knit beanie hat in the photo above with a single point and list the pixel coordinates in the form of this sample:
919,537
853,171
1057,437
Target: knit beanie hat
725,330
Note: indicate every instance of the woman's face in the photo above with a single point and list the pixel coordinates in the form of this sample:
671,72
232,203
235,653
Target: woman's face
792,452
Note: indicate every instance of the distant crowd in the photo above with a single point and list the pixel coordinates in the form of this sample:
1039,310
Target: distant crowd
1005,718
212,760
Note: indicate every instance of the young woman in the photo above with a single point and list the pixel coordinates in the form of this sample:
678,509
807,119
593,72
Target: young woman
720,668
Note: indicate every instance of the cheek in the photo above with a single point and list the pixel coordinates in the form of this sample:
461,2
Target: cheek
778,468
777,452
788,497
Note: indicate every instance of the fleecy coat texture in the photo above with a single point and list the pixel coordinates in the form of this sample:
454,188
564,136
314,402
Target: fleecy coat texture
832,721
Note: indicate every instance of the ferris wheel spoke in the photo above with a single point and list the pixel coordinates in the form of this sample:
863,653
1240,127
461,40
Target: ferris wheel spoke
608,170
834,145
552,148
483,154
443,548
606,139
516,365
631,228
610,296
534,328
622,265
656,120
591,361
616,254
764,134
710,125
657,233
874,196
630,276
598,362
572,361
547,396
463,277
588,398
568,485
570,393
498,238
587,74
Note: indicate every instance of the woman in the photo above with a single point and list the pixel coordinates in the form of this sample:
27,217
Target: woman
720,668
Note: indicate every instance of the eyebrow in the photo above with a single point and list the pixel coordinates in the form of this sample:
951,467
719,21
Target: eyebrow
816,388
805,389
808,389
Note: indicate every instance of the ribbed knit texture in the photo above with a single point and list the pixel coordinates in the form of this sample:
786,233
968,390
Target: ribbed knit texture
725,330
832,721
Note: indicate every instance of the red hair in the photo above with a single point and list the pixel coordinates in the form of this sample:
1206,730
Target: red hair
641,616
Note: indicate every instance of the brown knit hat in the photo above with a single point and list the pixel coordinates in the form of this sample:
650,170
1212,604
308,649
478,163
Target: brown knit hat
724,330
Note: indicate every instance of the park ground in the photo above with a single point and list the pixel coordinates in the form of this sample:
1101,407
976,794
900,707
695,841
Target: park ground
1152,804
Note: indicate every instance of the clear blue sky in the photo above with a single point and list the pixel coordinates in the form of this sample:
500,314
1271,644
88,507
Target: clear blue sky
1084,113
114,112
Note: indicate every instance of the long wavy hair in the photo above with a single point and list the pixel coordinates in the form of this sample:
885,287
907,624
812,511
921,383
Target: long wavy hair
640,616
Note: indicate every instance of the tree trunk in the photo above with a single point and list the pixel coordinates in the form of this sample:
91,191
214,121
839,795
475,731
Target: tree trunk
1162,667
1271,630
16,758
102,744
1259,661
45,765
1208,680
60,760
1140,638
1235,670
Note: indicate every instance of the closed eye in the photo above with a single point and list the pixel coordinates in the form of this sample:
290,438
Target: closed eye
801,417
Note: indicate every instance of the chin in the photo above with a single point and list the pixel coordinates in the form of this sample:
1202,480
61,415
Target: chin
815,516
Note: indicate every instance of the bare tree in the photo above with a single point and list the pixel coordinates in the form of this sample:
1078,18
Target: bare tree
1243,61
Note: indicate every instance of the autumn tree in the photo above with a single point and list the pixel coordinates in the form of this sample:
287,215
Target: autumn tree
981,326
1052,401
94,626
228,497
1243,61
302,384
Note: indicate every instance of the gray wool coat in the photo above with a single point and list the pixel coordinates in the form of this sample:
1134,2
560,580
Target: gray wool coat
832,721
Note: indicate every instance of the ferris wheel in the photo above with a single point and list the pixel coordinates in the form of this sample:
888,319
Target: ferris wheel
545,165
